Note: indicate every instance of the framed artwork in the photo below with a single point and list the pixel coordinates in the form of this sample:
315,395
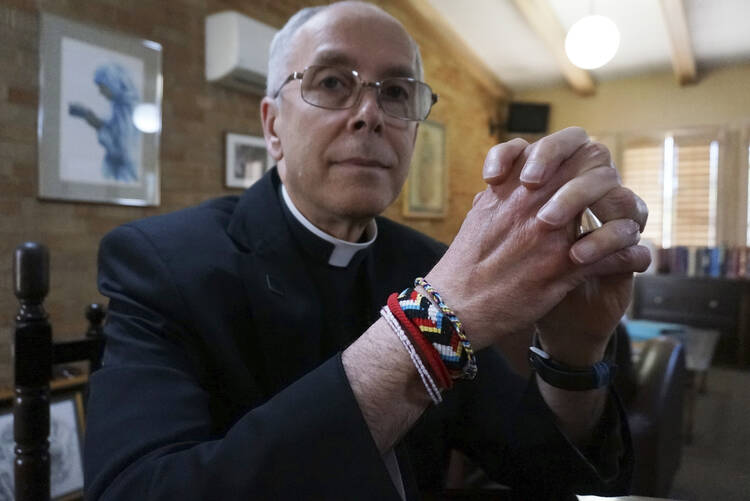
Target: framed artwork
65,448
246,160
426,186
99,115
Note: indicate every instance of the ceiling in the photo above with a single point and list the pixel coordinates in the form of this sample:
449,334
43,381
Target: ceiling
522,56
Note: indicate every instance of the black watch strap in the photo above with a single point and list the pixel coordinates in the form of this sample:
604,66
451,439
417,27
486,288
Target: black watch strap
565,377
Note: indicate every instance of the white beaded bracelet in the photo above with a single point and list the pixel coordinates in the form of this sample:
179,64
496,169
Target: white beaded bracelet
432,390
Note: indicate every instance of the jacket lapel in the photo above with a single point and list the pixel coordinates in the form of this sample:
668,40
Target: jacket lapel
286,319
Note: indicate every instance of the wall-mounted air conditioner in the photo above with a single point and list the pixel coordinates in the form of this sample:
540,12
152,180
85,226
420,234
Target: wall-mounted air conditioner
237,51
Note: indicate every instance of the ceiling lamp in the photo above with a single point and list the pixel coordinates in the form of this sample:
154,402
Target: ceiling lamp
592,42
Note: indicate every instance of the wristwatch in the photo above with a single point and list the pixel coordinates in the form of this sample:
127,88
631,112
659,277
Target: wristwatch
565,377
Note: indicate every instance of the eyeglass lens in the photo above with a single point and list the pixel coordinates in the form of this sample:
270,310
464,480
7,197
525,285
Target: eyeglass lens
337,88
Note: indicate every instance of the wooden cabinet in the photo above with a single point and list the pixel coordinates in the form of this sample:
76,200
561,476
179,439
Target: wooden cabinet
702,302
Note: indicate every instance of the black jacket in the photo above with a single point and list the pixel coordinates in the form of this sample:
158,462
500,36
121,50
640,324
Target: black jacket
212,386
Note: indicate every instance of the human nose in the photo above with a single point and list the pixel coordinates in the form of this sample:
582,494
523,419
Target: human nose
368,113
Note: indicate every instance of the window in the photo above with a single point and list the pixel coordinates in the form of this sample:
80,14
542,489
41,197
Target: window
641,171
676,175
694,198
747,236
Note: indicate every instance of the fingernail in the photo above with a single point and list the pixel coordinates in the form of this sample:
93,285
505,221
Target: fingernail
532,172
549,214
490,170
583,251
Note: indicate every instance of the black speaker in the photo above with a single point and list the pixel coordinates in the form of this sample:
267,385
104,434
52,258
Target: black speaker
528,117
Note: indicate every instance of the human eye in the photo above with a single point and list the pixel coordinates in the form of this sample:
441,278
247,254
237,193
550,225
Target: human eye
331,79
331,82
396,90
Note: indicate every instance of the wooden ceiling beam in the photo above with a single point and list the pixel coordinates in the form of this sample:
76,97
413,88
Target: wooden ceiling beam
683,59
543,21
458,48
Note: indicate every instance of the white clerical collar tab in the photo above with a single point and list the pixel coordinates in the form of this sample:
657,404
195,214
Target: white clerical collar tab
343,251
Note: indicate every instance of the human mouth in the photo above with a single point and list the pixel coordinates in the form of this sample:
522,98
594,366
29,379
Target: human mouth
363,162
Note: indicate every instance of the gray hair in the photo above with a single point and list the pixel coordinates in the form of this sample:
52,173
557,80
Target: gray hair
279,51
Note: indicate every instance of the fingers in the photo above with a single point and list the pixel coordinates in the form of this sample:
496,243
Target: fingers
549,153
589,156
610,238
577,194
621,203
633,259
568,150
576,173
500,159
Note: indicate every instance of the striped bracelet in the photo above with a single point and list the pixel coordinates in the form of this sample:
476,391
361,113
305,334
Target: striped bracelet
427,352
457,348
432,325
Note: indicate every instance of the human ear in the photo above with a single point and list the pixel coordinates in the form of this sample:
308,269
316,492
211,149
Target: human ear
269,112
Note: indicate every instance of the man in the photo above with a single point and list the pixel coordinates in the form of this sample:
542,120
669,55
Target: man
224,375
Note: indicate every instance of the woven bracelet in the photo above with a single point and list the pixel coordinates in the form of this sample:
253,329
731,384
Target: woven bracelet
440,330
424,348
469,369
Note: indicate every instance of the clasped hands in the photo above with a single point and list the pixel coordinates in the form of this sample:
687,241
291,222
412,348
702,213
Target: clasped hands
516,261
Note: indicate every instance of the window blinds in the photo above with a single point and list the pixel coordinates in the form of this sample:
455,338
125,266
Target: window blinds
691,201
691,223
641,171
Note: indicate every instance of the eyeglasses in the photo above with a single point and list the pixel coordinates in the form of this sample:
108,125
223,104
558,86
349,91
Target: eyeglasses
336,88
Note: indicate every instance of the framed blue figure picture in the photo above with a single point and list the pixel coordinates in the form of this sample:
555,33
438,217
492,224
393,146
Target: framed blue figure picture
100,115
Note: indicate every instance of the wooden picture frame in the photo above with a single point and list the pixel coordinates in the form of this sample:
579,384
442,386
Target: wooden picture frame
246,160
425,192
99,114
66,447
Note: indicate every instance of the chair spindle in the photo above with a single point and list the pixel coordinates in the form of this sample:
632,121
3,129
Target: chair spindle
33,370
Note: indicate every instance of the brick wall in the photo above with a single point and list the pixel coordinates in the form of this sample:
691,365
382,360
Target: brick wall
196,116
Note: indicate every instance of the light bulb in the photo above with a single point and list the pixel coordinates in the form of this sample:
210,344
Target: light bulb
592,42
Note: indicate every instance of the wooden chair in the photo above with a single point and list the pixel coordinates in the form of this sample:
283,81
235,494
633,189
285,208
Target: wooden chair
34,354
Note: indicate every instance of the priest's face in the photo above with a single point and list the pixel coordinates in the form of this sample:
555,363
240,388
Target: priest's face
345,163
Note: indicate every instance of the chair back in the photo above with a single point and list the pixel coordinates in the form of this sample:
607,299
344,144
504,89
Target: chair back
655,414
34,354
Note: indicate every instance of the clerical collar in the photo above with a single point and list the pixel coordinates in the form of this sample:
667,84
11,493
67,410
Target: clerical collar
342,251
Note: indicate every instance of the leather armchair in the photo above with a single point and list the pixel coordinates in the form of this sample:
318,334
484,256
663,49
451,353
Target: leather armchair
652,391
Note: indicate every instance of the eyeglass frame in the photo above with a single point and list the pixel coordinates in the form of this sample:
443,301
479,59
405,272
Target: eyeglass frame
298,75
